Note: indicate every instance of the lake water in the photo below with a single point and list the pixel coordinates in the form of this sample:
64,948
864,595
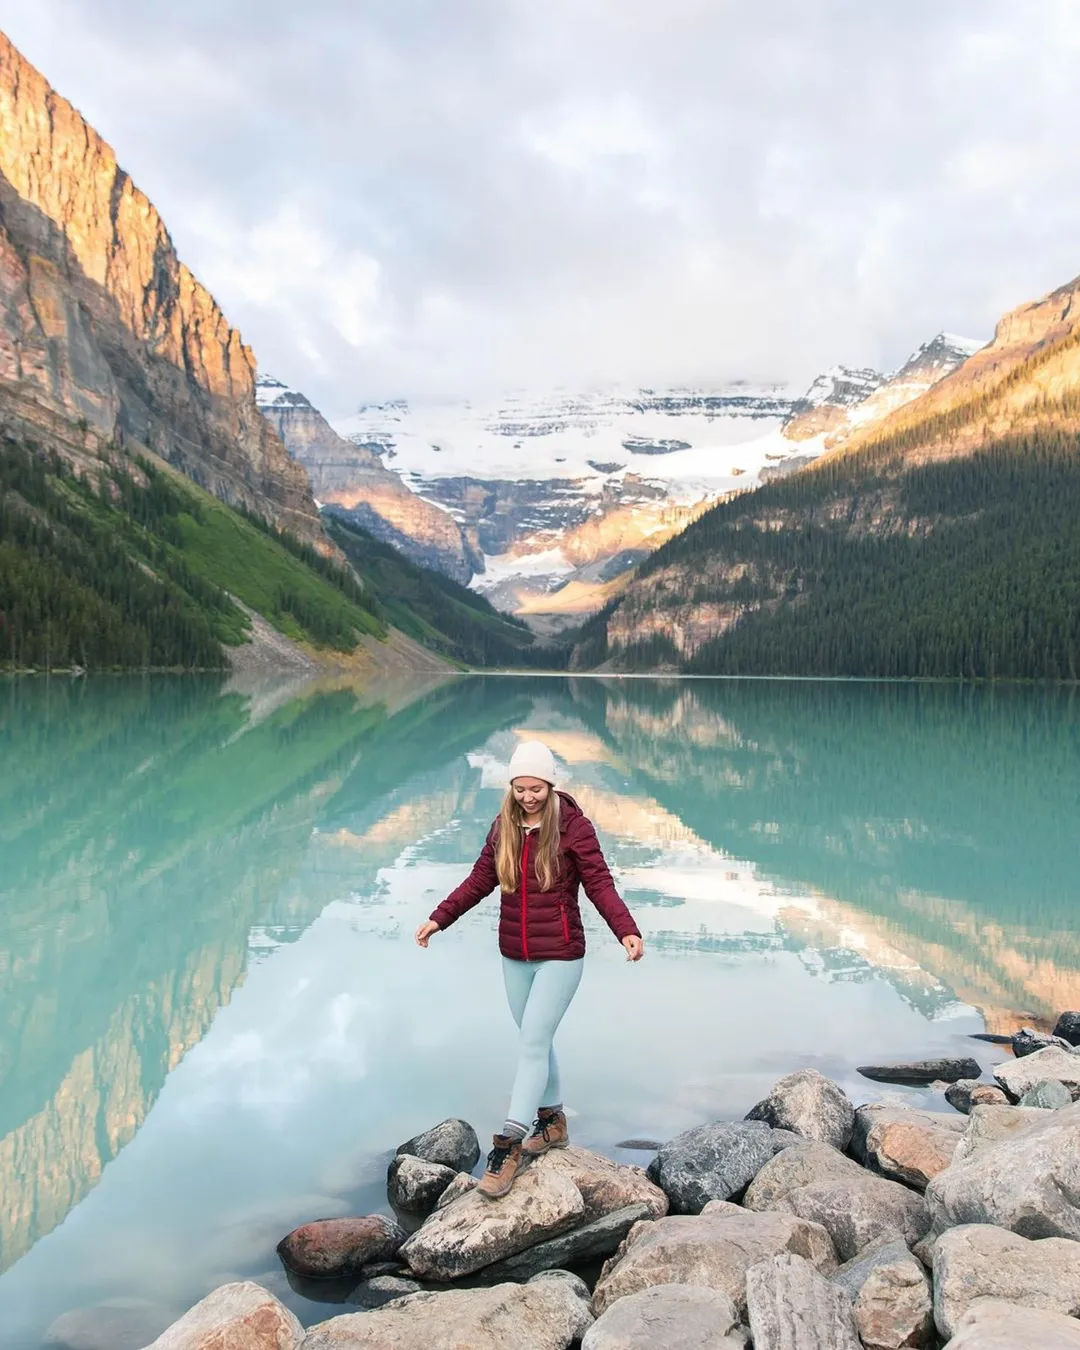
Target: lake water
214,1024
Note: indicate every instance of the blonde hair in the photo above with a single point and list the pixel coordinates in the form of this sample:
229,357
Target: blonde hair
508,844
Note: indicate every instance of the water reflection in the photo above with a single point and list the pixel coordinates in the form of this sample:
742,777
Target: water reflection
210,1005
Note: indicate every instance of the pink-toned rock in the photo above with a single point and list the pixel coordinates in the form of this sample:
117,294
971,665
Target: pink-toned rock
329,1248
241,1316
906,1145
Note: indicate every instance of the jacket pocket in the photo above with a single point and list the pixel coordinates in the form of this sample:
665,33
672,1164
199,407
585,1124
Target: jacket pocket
565,922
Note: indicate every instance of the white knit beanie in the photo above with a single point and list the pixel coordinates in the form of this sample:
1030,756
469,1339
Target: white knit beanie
532,759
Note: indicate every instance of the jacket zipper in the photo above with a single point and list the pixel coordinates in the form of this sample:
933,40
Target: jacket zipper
524,903
565,923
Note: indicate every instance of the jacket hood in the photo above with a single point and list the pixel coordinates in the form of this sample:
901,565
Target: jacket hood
568,809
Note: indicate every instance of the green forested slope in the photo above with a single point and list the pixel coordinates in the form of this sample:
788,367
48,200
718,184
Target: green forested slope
438,612
964,567
131,571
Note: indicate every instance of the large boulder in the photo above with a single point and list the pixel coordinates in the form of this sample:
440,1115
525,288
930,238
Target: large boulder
599,1238
1068,1027
241,1316
605,1186
801,1165
541,1315
1049,1095
1017,1075
992,1325
980,1261
473,1232
335,1248
791,1306
712,1162
414,1186
922,1071
808,1104
905,1145
452,1143
1027,1040
859,1211
667,1317
893,1301
1029,1183
713,1249
989,1125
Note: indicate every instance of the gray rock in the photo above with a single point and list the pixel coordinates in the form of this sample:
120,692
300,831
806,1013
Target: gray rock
1049,1095
453,1143
968,1092
714,1249
992,1325
242,1316
980,1261
473,1232
641,1145
808,1104
892,1298
1027,1040
801,1165
905,1145
1017,1075
461,1185
922,1071
567,1277
791,1306
711,1162
1029,1183
990,1124
667,1317
414,1185
542,1315
382,1289
599,1238
1068,1027
858,1211
336,1248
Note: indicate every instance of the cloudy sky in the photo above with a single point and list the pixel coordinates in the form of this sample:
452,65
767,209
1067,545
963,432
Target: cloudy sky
451,196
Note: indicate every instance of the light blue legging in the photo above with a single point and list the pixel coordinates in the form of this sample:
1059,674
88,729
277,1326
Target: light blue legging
539,993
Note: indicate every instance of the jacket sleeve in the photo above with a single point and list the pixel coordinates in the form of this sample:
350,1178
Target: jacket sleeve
479,884
584,847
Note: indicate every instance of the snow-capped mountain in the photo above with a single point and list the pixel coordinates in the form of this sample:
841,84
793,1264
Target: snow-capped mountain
563,493
843,399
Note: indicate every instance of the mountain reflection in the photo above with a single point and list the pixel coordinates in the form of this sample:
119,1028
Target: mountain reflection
160,836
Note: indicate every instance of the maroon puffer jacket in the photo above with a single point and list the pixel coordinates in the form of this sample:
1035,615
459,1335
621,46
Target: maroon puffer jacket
536,925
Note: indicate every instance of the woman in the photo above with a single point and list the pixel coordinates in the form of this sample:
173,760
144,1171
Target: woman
538,850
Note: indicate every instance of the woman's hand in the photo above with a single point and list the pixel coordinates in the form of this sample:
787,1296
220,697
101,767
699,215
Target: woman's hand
424,932
635,948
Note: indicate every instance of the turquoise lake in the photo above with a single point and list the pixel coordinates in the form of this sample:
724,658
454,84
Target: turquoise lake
214,1024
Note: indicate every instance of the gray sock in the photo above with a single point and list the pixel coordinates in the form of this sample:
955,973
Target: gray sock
514,1129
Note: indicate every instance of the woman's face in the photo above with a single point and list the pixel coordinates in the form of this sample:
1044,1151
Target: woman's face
530,794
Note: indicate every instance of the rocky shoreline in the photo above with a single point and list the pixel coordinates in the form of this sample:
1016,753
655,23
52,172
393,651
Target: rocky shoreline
811,1223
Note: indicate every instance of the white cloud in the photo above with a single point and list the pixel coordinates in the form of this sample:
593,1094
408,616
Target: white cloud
405,195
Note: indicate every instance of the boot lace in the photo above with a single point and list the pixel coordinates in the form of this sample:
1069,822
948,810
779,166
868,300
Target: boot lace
540,1128
498,1156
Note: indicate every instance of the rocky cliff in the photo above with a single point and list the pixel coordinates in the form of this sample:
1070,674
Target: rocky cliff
106,338
354,480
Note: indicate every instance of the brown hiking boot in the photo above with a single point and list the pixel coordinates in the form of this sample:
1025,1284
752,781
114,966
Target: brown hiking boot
550,1131
503,1164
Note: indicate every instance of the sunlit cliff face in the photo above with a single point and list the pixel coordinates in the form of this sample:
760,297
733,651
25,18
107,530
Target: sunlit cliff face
106,335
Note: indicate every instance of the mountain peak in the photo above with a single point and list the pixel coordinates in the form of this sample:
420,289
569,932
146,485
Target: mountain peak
271,393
